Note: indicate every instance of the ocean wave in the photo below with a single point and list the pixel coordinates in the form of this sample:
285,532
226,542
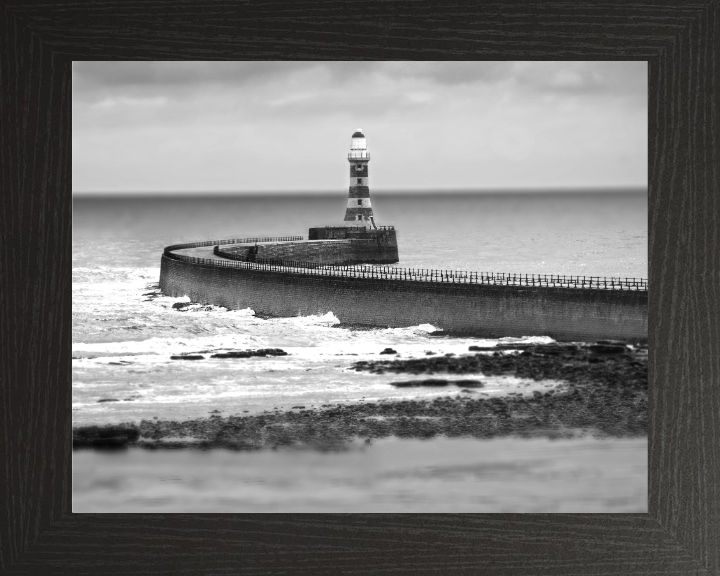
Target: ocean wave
526,340
327,319
164,346
101,274
121,311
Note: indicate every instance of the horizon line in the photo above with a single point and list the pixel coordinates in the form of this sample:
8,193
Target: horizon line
398,191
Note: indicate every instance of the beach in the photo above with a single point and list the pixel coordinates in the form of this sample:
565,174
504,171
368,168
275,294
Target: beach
580,445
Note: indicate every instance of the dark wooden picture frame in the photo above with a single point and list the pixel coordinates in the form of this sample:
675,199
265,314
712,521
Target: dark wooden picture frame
681,532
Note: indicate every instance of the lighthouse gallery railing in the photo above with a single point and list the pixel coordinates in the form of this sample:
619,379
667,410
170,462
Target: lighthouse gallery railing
394,273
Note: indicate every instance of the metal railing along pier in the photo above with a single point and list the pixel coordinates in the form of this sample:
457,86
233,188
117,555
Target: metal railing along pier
395,273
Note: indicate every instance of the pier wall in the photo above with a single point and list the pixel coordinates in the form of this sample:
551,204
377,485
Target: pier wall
580,314
375,250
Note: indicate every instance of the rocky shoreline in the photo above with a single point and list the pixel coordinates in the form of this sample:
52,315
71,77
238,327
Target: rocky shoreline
604,393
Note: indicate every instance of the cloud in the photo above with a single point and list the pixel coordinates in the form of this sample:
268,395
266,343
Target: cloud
291,99
420,97
567,79
241,73
452,73
373,88
548,75
622,78
194,73
125,101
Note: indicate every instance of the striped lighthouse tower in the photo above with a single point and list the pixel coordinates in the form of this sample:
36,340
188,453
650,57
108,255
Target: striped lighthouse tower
359,211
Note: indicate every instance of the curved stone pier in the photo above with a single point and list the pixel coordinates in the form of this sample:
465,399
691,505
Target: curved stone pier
366,296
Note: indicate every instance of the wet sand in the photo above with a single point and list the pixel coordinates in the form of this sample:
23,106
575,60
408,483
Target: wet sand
390,475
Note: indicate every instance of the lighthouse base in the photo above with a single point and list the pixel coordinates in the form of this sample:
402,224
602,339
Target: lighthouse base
363,245
327,246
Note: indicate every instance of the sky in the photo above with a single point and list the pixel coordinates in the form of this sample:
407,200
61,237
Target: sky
247,127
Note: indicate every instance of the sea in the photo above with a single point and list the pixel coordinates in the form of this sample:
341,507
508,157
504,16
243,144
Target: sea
125,331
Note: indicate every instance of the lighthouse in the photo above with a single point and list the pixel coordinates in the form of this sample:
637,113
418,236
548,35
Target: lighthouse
358,240
359,210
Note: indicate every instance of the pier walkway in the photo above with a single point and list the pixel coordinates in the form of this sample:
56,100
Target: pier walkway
203,253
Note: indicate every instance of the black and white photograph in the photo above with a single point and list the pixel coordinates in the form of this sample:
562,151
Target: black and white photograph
360,286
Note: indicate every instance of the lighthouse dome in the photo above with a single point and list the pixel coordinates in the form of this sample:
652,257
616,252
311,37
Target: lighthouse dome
358,141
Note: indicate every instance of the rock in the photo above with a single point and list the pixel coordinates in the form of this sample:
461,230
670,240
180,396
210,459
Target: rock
417,383
469,383
608,348
181,305
389,351
468,391
298,407
104,436
408,384
238,354
108,400
271,352
547,349
482,348
262,352
188,357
